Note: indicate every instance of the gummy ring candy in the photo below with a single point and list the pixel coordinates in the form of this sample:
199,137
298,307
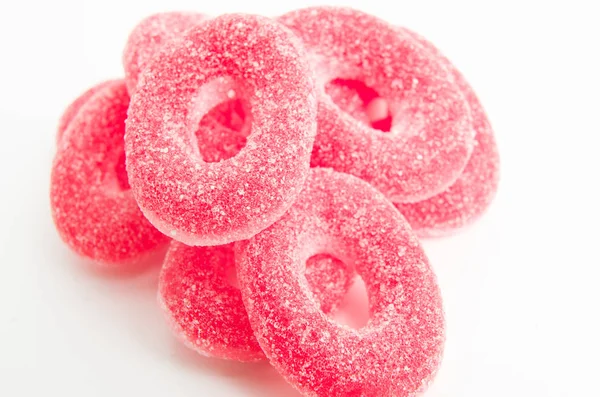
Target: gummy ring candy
74,107
200,203
474,190
430,138
92,206
398,351
149,36
206,311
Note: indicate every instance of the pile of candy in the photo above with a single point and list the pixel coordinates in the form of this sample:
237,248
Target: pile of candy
279,159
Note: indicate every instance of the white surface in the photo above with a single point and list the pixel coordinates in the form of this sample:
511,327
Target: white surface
520,287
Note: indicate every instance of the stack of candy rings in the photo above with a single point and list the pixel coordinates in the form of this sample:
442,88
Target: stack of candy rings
206,146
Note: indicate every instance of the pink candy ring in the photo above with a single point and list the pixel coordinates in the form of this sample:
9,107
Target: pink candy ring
93,208
430,139
398,352
74,107
474,190
200,203
148,38
206,311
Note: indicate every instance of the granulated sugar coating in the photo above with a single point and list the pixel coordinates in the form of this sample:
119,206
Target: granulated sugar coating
474,190
232,56
398,352
149,36
430,139
74,107
93,208
206,311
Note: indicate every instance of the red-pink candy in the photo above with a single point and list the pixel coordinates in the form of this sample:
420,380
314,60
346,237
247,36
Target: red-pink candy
430,139
74,107
148,38
206,311
92,206
232,56
474,190
399,350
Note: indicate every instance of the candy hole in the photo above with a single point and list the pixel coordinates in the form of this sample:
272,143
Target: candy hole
222,132
354,309
361,102
330,277
219,118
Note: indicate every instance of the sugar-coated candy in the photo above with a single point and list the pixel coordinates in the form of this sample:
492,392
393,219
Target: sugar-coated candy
430,138
212,157
92,206
232,56
398,352
148,38
74,107
205,309
473,191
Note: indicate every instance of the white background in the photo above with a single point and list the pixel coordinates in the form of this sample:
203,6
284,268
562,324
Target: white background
520,286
